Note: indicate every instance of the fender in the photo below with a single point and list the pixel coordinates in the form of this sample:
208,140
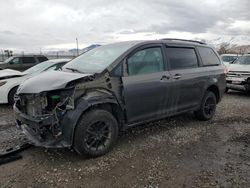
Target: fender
71,118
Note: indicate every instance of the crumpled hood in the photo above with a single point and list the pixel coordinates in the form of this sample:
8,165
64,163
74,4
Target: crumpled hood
48,81
238,67
8,73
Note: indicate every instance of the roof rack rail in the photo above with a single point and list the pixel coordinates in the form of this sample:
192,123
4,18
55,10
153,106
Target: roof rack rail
185,40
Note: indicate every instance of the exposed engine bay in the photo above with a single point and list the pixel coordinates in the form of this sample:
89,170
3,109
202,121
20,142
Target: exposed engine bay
48,108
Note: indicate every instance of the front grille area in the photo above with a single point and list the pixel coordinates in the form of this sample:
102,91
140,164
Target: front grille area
30,105
238,74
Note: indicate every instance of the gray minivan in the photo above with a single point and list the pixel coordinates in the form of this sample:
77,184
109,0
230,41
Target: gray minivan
116,86
22,62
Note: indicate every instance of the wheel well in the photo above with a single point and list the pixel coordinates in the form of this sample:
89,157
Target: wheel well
113,109
215,90
14,88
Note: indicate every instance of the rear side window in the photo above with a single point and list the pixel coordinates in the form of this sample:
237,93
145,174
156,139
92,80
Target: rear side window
42,58
28,60
146,61
181,58
208,56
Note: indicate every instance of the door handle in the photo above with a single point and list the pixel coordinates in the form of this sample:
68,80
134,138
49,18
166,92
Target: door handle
177,76
164,78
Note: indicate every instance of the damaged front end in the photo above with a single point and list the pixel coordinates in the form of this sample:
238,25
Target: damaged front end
39,116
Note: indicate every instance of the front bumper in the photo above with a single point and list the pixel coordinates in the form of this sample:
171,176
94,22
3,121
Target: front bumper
241,83
36,131
4,95
244,87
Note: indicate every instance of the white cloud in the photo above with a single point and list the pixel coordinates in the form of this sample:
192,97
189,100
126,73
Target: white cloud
34,24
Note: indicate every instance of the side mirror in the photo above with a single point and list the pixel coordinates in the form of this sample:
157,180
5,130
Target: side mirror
11,63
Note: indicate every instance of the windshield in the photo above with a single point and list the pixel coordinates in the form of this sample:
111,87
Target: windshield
38,68
96,60
229,58
243,60
7,60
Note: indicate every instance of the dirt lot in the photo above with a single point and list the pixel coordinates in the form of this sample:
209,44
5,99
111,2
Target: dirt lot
176,152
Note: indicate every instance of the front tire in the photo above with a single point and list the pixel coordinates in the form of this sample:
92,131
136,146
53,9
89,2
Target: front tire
208,107
11,95
96,133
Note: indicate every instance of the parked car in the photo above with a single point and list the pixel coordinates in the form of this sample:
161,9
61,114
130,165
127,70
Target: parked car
22,62
116,86
238,77
228,59
11,79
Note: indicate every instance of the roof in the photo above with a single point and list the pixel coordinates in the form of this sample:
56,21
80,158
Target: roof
166,41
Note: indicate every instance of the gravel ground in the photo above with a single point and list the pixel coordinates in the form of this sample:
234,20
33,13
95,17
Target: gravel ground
176,152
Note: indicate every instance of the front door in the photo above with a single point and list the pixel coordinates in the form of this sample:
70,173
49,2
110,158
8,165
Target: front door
146,85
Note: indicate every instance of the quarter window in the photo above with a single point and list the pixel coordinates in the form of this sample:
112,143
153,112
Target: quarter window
181,58
208,56
146,61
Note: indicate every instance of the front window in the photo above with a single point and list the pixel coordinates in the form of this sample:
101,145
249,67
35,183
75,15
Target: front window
96,60
243,60
13,60
146,61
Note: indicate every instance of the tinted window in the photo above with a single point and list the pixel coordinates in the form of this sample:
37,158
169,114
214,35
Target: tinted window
208,56
146,61
15,61
181,58
42,58
28,60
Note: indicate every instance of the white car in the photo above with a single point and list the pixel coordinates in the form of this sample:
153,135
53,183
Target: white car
11,79
238,76
228,59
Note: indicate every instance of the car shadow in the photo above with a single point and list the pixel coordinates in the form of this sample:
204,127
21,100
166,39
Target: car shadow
131,135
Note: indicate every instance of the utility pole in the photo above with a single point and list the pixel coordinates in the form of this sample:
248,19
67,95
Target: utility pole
77,47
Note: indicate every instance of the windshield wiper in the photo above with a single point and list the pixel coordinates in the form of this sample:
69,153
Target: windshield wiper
73,69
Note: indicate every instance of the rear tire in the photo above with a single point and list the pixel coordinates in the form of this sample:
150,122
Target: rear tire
208,107
96,133
11,95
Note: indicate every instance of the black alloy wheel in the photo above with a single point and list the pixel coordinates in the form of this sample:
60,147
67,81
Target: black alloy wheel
96,133
208,107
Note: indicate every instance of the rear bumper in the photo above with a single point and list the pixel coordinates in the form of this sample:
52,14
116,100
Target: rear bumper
37,131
